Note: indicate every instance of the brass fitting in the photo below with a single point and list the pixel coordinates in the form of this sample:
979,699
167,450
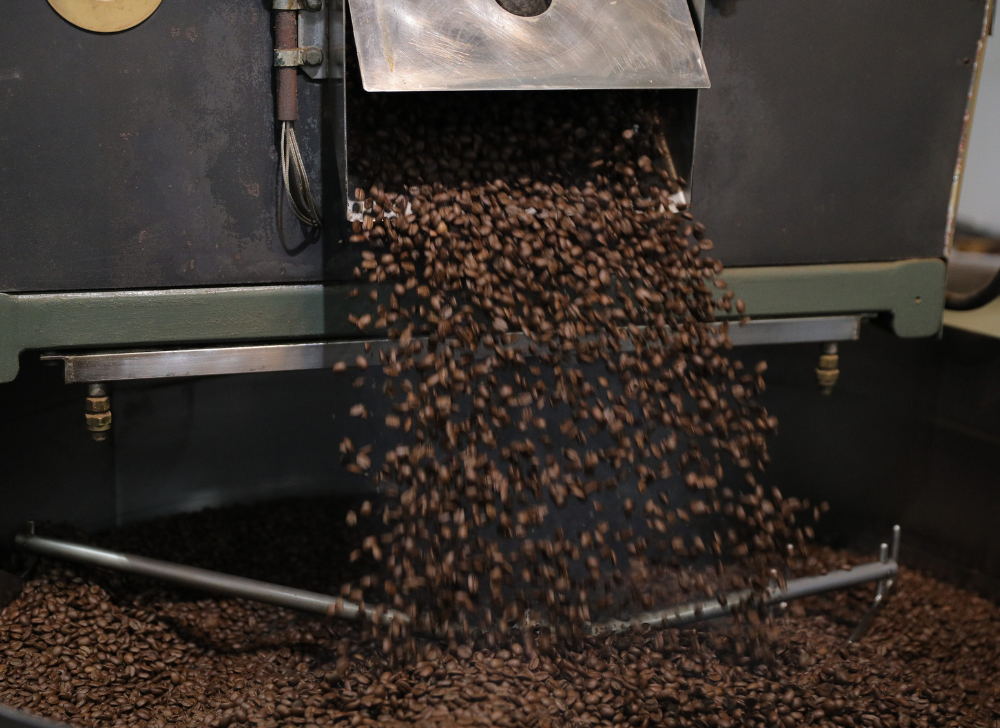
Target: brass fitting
98,412
827,372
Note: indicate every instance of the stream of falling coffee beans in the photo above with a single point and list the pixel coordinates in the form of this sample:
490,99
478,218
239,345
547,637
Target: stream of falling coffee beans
557,368
566,439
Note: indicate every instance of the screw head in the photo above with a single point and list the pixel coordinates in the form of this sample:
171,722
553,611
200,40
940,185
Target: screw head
313,5
312,57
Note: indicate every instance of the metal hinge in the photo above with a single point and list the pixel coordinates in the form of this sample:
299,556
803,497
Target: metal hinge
296,57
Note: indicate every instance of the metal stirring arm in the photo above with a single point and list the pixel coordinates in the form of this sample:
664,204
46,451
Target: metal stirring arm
884,571
882,591
204,580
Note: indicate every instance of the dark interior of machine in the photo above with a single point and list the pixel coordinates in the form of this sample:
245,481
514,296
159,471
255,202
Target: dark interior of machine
908,438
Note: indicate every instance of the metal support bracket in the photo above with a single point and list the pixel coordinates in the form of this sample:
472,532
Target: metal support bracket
909,292
311,56
315,31
112,366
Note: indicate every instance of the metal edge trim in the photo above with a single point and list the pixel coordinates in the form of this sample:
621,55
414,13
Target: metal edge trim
967,121
112,366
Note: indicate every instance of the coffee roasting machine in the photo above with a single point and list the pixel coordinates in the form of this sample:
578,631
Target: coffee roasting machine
177,176
140,167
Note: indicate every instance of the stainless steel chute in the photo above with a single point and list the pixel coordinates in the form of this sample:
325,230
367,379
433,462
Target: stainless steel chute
472,45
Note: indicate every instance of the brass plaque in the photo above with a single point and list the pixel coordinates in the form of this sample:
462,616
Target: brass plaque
105,16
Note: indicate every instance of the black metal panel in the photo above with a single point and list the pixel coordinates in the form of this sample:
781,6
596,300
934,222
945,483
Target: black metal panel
910,436
182,445
52,469
831,130
145,158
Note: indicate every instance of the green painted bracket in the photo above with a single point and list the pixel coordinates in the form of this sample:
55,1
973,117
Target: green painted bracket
57,321
912,291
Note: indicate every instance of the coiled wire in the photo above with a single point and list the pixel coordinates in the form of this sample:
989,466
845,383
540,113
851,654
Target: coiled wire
296,181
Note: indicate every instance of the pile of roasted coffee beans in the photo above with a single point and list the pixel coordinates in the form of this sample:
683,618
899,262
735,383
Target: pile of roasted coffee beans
92,649
566,432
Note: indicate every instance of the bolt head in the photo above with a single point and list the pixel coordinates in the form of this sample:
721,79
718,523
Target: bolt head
313,5
312,57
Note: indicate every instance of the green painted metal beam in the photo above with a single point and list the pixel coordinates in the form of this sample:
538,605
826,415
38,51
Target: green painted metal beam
911,291
117,319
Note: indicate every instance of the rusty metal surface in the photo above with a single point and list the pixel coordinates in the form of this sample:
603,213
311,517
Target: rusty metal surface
286,37
147,158
837,142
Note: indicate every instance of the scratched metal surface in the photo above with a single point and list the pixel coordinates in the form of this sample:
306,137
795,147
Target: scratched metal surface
145,158
832,129
430,45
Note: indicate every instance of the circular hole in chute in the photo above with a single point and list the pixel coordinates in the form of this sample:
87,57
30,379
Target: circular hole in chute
525,8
